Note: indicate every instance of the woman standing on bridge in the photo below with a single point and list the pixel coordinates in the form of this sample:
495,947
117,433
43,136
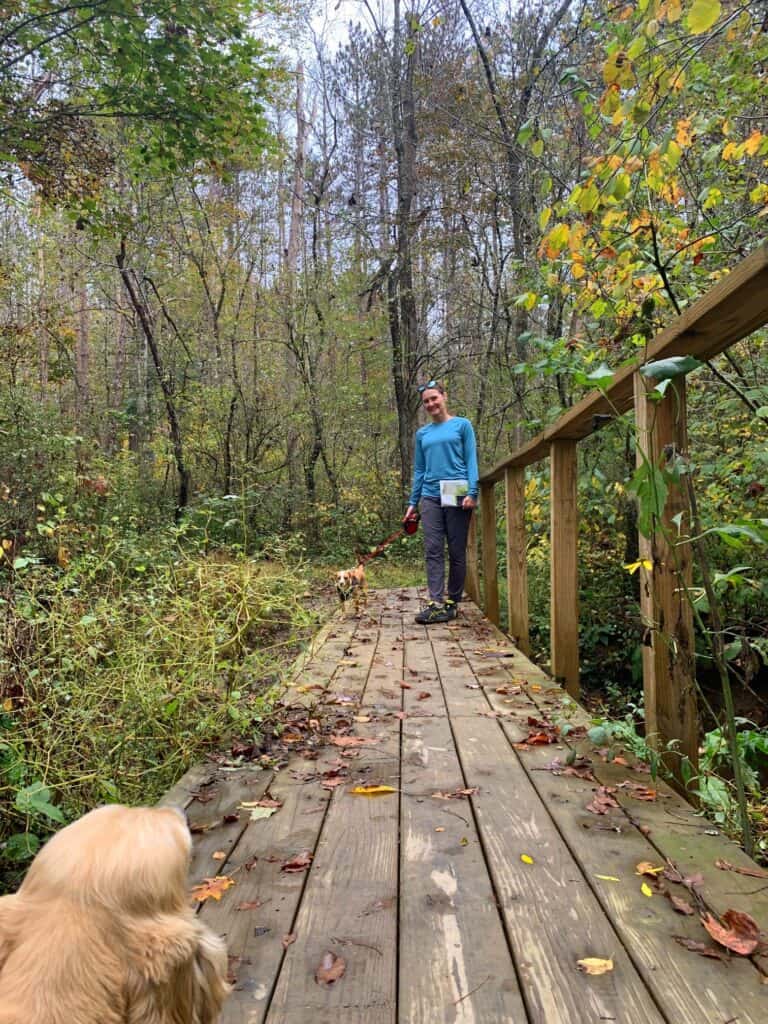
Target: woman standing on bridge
445,480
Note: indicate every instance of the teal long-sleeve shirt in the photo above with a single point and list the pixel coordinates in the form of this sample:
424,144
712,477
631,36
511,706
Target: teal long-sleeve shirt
444,451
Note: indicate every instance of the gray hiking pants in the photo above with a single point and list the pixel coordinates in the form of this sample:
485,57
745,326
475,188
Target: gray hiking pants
441,525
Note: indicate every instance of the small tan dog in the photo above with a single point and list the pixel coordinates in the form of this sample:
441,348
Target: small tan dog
350,585
101,931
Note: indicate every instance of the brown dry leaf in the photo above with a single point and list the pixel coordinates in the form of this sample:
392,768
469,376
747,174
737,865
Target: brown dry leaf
332,783
739,932
212,888
726,865
249,905
288,940
351,741
405,686
362,718
424,695
298,863
219,855
646,868
603,801
330,969
698,947
681,906
638,791
373,790
457,794
594,965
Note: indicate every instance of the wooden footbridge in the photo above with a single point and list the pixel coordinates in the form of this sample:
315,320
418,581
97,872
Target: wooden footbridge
502,852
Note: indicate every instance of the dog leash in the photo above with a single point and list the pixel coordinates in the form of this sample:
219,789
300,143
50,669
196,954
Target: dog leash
409,527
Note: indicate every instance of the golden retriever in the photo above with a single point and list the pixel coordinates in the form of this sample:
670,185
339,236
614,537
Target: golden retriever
101,931
350,584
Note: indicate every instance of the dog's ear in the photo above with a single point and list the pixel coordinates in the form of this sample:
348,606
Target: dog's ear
211,985
179,972
10,922
157,946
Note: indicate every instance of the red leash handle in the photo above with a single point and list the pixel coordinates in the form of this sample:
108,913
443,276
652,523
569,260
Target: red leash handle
409,527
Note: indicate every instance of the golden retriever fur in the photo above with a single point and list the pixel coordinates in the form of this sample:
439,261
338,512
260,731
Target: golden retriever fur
101,931
351,585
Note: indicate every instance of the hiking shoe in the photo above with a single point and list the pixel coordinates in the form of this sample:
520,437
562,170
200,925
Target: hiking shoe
434,612
451,609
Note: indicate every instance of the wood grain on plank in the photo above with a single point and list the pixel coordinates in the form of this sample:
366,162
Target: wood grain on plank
454,961
552,916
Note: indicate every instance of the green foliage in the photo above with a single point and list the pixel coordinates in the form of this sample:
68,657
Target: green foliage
186,82
123,669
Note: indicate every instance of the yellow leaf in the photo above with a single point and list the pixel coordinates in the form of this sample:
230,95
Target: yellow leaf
683,135
729,151
594,965
526,859
674,11
752,144
642,563
646,868
7,704
212,888
702,16
544,216
537,147
373,790
608,878
646,890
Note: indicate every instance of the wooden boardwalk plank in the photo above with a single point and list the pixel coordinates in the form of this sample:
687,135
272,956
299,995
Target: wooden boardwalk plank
552,917
454,960
349,906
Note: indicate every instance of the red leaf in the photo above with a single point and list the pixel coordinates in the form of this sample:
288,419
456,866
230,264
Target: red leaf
698,947
298,863
681,906
738,932
602,802
330,969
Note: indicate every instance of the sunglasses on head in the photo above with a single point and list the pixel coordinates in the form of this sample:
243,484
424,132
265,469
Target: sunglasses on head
423,387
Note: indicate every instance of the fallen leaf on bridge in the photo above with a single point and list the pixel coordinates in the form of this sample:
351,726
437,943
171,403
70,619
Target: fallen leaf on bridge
698,947
594,965
298,863
330,969
457,794
738,932
424,695
351,741
288,940
726,865
373,790
212,888
680,905
249,905
603,801
646,868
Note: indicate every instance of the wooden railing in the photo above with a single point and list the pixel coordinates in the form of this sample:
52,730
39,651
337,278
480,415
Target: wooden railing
731,310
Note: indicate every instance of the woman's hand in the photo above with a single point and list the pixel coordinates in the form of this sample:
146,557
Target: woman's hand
469,502
410,512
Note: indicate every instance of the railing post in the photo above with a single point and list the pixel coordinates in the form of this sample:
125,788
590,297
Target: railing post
517,561
669,669
490,560
564,568
472,583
